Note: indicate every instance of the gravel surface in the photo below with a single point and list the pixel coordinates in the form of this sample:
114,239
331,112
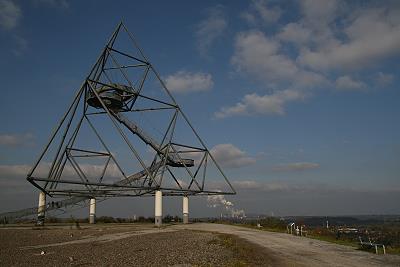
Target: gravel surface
174,245
115,246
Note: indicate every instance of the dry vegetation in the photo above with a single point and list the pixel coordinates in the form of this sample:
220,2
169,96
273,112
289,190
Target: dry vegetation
244,252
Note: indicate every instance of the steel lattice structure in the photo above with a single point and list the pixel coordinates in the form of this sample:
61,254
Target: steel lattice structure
116,90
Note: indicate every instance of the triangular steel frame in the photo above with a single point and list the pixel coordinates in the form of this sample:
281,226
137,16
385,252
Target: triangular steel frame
169,155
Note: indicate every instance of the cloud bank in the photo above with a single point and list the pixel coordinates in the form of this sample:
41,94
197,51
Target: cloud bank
13,140
326,47
186,82
210,29
10,14
227,155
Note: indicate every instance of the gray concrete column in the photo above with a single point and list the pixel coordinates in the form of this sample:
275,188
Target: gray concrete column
158,208
185,208
41,208
92,212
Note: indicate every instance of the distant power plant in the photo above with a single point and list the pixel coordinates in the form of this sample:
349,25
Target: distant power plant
230,211
124,135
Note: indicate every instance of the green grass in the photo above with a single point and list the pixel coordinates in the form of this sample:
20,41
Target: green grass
391,250
330,239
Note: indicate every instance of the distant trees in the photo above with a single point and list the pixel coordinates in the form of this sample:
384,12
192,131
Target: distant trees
141,219
272,223
170,218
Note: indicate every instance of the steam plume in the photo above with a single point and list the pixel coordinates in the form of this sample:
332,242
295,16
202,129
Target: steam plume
220,201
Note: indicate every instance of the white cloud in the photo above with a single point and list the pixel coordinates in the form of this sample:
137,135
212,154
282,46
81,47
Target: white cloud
268,14
262,186
259,10
260,56
384,79
183,82
13,140
295,33
13,177
253,104
309,187
319,12
10,14
313,29
14,170
296,166
21,170
347,83
371,35
329,41
284,187
210,29
228,155
249,17
263,57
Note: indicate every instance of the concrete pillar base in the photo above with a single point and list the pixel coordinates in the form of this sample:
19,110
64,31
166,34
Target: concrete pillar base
158,221
185,218
185,209
92,211
158,208
41,208
40,220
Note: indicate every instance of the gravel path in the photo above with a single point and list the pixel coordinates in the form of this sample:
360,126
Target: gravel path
300,251
106,237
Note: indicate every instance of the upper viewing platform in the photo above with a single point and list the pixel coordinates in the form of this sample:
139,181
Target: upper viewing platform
113,96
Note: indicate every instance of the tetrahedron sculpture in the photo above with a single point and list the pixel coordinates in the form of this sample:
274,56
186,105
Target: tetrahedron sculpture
125,135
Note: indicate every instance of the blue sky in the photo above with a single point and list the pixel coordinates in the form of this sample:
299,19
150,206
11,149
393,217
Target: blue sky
298,100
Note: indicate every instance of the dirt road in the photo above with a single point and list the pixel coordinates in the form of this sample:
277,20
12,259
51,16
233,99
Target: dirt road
299,251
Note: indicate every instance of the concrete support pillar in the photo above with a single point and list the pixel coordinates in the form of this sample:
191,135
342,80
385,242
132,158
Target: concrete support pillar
185,208
158,208
92,212
41,208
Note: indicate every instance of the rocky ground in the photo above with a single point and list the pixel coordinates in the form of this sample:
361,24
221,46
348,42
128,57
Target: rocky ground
172,245
121,245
